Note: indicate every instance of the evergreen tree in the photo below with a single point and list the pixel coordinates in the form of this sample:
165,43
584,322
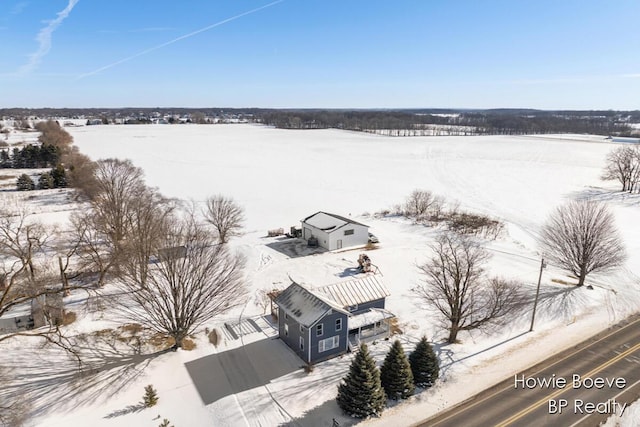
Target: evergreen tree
25,183
45,181
150,397
165,423
424,364
360,393
5,160
395,374
59,176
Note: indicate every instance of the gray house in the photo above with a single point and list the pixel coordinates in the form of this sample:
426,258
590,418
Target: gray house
328,321
334,231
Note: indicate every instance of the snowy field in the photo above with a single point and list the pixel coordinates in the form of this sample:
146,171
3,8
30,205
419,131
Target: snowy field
283,176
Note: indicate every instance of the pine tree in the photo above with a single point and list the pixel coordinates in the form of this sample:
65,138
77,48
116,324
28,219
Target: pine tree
360,394
395,374
45,181
59,176
150,397
25,183
165,423
424,364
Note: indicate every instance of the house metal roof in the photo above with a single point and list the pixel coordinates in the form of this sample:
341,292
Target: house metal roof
305,306
357,291
369,317
329,222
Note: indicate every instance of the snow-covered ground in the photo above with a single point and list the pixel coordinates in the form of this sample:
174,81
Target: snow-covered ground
283,176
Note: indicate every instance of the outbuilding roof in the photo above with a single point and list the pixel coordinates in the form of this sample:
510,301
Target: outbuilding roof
329,222
357,291
305,306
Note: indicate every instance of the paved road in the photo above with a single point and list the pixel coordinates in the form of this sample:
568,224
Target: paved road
613,357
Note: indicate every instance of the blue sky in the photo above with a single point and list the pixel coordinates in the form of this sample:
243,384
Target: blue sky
548,54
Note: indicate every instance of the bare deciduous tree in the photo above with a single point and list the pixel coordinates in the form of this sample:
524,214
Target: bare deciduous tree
118,183
455,286
20,239
81,172
147,224
581,237
623,165
186,287
225,215
95,250
22,279
418,204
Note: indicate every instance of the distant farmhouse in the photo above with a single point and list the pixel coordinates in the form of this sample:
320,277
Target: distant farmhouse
333,231
326,322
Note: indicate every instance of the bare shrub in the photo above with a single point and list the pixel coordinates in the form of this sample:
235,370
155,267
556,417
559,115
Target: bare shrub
188,344
480,225
214,338
418,204
68,318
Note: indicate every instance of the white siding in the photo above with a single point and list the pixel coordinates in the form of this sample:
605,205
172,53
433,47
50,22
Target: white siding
360,236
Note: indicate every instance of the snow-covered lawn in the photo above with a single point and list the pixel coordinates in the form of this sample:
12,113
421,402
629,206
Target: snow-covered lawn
283,176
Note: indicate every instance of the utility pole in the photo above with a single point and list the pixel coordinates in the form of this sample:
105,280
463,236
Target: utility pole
535,301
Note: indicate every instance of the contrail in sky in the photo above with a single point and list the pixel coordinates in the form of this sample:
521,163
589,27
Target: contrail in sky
186,36
44,38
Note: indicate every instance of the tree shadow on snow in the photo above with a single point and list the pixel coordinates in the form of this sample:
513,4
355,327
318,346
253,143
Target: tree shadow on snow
128,410
52,379
322,416
603,195
233,371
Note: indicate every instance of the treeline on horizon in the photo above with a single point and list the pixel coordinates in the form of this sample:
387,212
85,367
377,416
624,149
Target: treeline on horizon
488,122
404,122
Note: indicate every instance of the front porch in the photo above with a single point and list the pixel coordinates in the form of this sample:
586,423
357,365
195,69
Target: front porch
368,326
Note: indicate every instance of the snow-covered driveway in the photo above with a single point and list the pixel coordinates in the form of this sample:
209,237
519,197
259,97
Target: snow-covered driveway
234,384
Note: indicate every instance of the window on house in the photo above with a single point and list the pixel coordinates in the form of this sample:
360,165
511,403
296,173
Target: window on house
286,330
328,344
301,329
338,324
348,232
286,317
319,330
301,343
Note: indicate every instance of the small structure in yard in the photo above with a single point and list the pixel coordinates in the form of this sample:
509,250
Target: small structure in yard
334,231
172,253
326,322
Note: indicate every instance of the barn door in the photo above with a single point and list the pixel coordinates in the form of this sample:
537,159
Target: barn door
339,244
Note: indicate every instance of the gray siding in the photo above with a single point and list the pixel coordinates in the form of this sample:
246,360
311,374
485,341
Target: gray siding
293,339
379,303
329,330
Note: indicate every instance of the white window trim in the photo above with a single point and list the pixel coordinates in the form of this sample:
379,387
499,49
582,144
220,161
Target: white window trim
301,343
328,343
319,330
338,324
286,330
